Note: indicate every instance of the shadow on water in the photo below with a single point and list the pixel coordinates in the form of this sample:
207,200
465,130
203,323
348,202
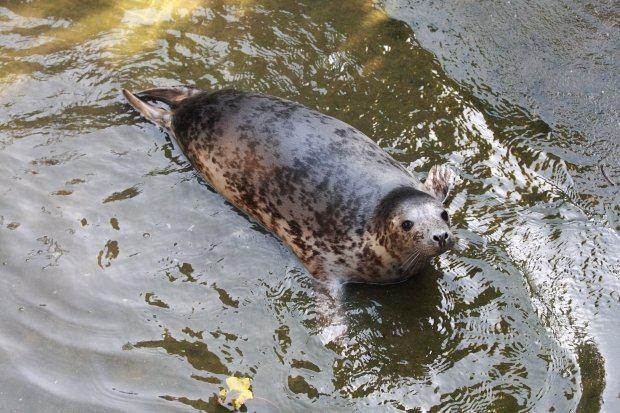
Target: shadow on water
593,382
131,247
396,331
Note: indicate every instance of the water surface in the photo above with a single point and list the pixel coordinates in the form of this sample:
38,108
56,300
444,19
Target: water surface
129,285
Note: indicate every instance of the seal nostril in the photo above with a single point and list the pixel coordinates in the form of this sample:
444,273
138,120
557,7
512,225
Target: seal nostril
441,239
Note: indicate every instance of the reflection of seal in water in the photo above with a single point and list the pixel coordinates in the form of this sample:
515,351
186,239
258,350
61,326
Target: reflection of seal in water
343,205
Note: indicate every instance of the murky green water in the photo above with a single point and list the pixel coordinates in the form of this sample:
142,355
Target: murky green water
128,285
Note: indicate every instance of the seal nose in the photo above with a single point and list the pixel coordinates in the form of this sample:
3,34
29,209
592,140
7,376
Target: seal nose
441,238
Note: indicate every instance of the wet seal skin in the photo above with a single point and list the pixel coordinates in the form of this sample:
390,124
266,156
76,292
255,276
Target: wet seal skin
348,210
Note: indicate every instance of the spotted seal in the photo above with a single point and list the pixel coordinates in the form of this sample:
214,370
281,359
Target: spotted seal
346,208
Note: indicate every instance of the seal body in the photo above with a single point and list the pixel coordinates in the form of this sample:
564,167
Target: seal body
323,187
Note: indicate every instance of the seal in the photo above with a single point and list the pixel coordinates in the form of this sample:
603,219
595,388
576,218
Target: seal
347,209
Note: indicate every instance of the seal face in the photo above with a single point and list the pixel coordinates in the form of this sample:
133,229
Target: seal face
343,205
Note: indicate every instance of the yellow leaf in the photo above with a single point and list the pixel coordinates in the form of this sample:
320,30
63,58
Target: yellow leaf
239,391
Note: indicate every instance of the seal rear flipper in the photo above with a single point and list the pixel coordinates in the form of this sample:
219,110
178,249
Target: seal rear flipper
439,182
158,116
169,95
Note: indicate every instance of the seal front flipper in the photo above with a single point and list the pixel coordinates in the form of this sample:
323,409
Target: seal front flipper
331,322
440,181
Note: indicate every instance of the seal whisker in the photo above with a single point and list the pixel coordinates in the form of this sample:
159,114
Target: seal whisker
410,262
413,263
409,258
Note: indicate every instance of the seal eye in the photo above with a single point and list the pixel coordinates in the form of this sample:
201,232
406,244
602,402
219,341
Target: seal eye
407,225
444,216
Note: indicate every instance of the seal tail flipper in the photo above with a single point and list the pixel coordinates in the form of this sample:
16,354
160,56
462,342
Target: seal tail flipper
158,116
439,182
169,95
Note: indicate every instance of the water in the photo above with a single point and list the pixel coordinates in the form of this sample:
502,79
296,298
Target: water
128,285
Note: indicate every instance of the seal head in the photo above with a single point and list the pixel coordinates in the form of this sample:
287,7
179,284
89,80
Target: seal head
411,226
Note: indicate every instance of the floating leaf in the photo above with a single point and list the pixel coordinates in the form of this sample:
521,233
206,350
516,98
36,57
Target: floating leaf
238,392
